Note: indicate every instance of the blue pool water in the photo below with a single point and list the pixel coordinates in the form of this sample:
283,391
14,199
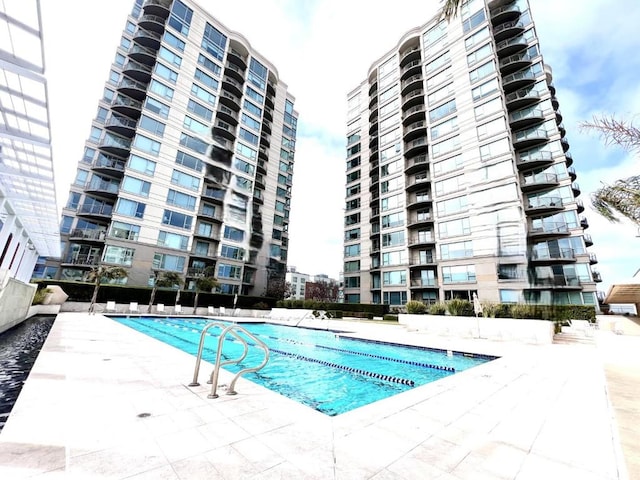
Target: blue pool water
321,369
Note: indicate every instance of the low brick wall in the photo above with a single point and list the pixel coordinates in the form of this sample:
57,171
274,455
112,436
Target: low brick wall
539,332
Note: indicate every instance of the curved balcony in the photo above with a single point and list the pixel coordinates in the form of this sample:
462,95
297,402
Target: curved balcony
147,38
152,23
109,165
373,102
121,125
234,71
412,83
561,129
565,145
543,205
530,160
413,98
373,88
596,276
231,85
411,68
268,101
160,8
529,138
580,205
224,130
82,260
96,211
415,130
373,171
418,283
588,241
373,154
515,62
549,229
373,114
539,181
416,147
558,117
413,164
227,115
575,188
263,153
132,88
208,215
88,235
518,80
266,127
238,58
418,182
102,188
554,102
559,255
418,200
414,114
410,55
138,71
508,30
265,139
524,97
568,159
593,259
271,88
114,145
373,141
373,128
230,100
572,173
421,240
143,54
511,46
526,118
419,220
268,114
507,13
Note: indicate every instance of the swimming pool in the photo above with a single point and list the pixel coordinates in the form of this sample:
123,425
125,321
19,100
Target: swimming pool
321,369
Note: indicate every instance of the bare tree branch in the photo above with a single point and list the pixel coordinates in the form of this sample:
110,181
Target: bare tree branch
615,131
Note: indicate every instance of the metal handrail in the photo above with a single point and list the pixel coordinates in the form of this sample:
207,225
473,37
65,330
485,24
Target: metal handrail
216,370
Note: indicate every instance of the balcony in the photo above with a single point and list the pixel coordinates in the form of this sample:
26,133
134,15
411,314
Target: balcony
373,88
417,182
419,220
508,30
415,147
575,188
232,86
421,240
413,114
234,71
271,88
504,14
593,259
161,8
411,83
580,205
415,97
543,204
549,229
584,223
558,281
539,181
147,38
511,46
572,173
82,260
536,159
137,71
373,128
266,127
565,144
411,68
518,80
88,235
208,215
114,145
560,255
152,23
143,54
420,283
529,138
418,200
109,165
526,118
569,159
127,106
102,188
414,164
515,62
588,241
410,55
237,57
230,100
227,115
92,210
522,98
121,125
132,88
596,276
373,115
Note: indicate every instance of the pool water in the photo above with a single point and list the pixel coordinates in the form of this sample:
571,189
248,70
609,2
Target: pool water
321,369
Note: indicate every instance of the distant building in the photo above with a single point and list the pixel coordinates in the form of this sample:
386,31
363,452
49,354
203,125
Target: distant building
301,285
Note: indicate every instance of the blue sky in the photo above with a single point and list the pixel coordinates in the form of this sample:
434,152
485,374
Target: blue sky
322,52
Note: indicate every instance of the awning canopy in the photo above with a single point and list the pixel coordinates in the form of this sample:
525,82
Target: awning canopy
624,292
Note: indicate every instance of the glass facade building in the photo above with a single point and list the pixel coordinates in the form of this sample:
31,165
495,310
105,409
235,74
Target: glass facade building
459,177
189,160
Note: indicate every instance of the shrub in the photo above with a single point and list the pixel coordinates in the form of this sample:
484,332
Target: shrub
437,308
416,307
40,295
460,307
389,317
490,309
261,306
521,310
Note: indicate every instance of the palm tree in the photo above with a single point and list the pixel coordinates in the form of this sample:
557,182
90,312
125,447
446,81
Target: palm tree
623,197
101,273
163,280
205,283
450,9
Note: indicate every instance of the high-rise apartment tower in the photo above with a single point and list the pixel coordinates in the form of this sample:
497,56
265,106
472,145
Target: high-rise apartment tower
459,175
190,158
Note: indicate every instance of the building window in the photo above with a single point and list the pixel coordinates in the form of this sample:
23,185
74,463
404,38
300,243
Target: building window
214,41
210,65
161,89
147,145
174,263
157,107
181,200
118,255
180,18
203,94
136,186
199,110
397,277
130,208
177,219
459,274
173,240
151,125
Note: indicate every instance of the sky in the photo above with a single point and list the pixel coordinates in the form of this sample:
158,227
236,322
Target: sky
322,50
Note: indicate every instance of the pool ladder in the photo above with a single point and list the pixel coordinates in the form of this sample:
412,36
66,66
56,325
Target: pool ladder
233,330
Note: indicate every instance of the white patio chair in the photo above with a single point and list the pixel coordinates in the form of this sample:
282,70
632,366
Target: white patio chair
133,307
111,306
160,308
177,309
211,310
223,311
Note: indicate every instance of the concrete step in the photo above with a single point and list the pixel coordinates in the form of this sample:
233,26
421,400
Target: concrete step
573,338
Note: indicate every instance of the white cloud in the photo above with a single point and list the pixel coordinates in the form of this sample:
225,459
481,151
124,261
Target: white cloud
322,50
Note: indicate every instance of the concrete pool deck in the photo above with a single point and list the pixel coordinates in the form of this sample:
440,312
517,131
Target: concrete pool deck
104,401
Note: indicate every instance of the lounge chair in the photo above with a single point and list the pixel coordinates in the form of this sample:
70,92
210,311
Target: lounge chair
160,308
111,306
133,307
211,310
177,309
223,311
